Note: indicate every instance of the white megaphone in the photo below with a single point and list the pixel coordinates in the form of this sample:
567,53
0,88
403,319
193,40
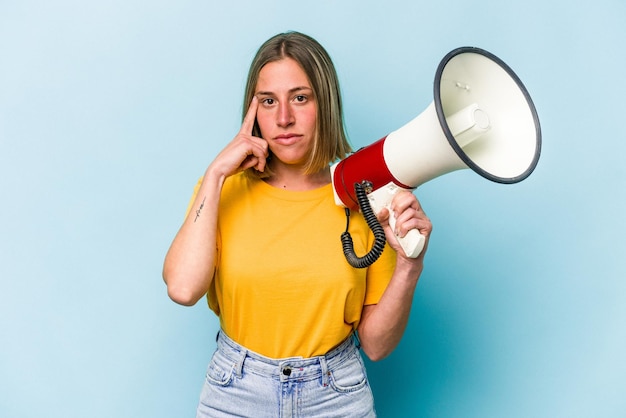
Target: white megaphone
481,118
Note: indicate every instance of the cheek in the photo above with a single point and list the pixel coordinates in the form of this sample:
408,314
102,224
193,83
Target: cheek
310,119
263,121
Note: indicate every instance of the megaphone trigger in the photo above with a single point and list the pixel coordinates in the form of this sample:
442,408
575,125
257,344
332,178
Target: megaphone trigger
413,242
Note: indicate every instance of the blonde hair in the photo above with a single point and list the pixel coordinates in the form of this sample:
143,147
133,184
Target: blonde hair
330,143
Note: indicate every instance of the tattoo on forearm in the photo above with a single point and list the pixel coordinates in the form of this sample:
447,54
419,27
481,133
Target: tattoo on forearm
199,209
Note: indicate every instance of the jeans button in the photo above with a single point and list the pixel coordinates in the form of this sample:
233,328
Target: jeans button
287,371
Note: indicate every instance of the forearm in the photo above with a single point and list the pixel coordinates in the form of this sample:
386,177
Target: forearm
190,262
382,325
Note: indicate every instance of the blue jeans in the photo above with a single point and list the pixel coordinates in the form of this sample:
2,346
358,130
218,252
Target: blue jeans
241,383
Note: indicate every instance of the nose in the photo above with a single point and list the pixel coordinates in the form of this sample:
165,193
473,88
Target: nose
285,115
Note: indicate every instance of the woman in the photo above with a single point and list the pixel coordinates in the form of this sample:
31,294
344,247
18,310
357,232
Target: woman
261,239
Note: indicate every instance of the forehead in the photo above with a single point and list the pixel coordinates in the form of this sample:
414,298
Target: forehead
285,74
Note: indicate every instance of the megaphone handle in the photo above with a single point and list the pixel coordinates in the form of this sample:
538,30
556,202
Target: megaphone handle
413,242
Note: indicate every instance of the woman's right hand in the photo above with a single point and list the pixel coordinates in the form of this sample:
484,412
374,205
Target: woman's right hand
245,150
190,262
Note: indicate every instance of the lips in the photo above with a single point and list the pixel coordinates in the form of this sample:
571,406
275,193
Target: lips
287,139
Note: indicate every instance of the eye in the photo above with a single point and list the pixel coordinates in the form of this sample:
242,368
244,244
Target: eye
268,101
300,98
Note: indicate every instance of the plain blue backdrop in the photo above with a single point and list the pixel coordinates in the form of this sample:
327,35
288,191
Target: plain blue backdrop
111,110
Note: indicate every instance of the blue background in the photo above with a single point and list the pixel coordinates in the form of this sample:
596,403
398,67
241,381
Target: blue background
111,110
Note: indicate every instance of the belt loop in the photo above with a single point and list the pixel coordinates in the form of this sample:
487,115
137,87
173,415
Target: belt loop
239,364
226,347
325,371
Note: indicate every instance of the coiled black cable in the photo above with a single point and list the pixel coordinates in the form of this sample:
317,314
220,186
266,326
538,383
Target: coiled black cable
379,233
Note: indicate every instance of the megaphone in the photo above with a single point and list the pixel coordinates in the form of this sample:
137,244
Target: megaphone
481,118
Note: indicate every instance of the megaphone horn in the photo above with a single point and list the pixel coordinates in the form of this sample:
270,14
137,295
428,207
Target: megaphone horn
482,118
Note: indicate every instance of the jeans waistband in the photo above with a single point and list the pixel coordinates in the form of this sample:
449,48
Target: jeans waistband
286,368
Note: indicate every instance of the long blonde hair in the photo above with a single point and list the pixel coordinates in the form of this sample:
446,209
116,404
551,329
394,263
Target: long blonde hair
330,143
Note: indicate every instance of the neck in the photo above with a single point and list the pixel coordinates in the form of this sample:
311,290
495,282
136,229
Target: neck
294,179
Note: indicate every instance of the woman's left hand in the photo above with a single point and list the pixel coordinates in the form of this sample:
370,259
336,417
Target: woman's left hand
409,215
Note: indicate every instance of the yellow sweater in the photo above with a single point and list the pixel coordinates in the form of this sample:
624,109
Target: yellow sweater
282,287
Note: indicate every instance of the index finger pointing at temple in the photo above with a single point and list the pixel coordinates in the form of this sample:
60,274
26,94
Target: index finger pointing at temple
248,120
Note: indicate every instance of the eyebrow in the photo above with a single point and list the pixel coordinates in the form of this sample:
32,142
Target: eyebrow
291,91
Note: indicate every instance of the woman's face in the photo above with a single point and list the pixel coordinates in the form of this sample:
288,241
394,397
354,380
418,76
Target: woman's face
287,111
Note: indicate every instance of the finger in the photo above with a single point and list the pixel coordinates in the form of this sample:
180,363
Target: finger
249,162
260,151
404,200
383,216
410,215
248,121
